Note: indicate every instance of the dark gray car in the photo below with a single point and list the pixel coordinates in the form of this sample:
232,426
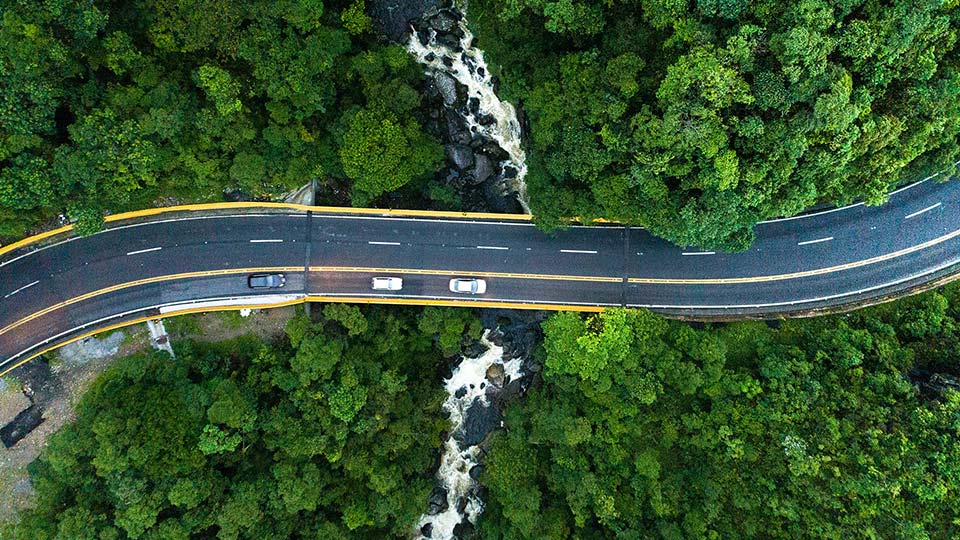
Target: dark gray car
266,281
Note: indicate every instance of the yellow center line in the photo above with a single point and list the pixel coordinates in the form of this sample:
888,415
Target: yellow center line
510,275
796,275
467,273
145,281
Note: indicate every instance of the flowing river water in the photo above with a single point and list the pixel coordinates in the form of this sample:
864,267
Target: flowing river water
468,67
468,389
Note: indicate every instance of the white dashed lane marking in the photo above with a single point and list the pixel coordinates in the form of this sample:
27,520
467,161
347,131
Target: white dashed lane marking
927,209
27,286
817,241
139,251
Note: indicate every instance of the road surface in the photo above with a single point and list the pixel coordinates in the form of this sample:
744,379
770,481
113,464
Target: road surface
197,260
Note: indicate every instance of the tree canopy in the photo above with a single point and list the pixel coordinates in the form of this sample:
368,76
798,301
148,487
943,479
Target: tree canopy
331,433
649,429
699,119
114,105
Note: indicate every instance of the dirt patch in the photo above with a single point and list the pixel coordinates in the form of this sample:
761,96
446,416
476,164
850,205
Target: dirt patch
55,387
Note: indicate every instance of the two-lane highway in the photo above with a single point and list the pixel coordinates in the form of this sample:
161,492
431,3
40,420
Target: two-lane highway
54,291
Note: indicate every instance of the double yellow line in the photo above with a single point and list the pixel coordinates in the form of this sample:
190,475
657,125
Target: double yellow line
468,273
146,281
233,271
803,274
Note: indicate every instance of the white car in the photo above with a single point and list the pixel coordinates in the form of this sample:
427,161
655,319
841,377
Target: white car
387,283
468,286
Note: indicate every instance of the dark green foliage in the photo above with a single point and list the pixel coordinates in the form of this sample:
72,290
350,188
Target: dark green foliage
698,119
645,429
331,434
112,105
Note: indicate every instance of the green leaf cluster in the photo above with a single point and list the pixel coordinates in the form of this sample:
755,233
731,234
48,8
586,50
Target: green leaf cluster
698,119
124,105
327,434
809,429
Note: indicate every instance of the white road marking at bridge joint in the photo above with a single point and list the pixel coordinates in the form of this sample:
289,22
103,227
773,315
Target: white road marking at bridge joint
27,286
817,241
373,243
139,251
927,209
267,241
583,251
699,253
493,247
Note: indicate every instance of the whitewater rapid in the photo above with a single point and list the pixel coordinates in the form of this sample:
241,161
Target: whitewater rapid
466,387
469,69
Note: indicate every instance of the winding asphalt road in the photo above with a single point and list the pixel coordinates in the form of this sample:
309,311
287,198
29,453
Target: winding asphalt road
56,292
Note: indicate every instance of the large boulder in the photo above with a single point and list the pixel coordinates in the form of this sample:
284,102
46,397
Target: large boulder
447,87
481,419
460,156
482,169
438,501
393,17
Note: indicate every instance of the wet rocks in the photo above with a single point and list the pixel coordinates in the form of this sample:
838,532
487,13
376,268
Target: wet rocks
444,21
393,17
482,169
480,420
495,374
447,87
459,155
437,502
427,530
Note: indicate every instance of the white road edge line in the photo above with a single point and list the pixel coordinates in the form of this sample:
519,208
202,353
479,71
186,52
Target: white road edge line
927,209
699,253
159,307
805,300
139,251
373,243
493,247
267,241
584,251
22,288
817,241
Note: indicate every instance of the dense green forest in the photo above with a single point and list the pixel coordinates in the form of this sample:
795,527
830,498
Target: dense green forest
842,427
113,105
829,428
333,433
698,119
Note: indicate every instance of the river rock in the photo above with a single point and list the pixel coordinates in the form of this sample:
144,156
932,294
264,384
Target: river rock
486,119
450,41
443,22
393,17
464,529
427,529
473,105
460,156
480,420
482,169
447,87
476,472
438,501
492,149
495,374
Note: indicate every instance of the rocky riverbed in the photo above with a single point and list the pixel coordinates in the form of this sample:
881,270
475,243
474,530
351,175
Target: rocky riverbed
491,373
482,135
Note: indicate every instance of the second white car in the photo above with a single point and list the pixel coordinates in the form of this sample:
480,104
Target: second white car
468,286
